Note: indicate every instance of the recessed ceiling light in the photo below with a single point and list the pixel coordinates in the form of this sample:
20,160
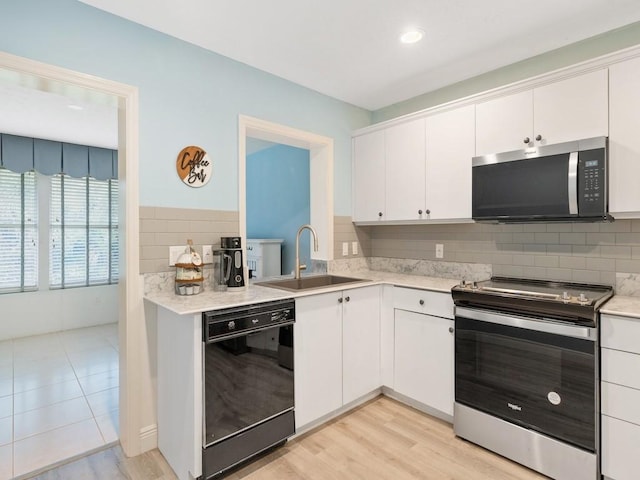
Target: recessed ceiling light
75,107
412,36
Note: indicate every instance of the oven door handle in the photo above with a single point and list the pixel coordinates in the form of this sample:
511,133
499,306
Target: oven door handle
543,325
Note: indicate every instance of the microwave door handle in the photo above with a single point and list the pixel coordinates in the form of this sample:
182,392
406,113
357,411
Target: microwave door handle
573,183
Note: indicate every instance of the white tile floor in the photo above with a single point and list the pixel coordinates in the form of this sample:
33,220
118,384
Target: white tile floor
58,397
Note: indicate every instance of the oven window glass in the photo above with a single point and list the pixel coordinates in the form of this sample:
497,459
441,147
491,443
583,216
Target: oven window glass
537,380
247,379
537,186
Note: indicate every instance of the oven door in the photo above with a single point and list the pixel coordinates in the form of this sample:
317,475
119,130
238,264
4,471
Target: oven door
247,379
536,374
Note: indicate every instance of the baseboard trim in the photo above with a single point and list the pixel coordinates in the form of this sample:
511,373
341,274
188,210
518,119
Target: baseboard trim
148,438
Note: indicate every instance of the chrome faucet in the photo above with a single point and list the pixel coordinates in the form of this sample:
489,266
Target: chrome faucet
315,248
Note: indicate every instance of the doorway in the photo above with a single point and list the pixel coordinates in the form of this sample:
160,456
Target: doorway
50,78
320,175
278,202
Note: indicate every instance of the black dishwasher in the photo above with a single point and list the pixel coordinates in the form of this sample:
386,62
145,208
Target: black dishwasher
248,382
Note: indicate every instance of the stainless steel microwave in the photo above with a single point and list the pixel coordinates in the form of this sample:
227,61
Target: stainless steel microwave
564,182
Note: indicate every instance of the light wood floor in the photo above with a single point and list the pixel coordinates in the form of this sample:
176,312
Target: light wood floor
382,439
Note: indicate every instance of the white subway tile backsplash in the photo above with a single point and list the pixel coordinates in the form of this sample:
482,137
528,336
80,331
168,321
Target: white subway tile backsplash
573,262
590,253
546,261
573,238
547,238
601,238
586,250
615,251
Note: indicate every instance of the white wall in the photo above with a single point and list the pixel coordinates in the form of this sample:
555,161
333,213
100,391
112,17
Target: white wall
34,313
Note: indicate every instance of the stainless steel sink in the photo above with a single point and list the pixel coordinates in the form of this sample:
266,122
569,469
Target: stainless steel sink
308,283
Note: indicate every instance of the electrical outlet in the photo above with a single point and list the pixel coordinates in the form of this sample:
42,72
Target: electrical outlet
174,253
207,254
345,249
439,250
354,248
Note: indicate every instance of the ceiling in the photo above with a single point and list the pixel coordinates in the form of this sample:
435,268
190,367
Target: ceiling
34,107
350,49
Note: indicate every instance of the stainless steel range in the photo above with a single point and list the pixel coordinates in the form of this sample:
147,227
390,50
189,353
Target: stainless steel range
526,372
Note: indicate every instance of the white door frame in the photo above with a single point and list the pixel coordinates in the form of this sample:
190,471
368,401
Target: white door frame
320,173
131,313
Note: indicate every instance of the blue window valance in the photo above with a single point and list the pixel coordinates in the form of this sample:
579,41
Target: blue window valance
22,154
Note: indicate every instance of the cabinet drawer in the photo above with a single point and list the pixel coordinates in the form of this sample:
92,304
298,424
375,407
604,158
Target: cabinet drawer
620,367
620,449
621,402
423,301
621,333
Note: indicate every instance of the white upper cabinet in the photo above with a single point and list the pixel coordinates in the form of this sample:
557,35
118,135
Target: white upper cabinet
624,144
563,111
572,109
368,177
504,124
405,170
450,144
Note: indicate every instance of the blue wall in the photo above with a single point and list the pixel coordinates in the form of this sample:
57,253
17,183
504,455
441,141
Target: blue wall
278,199
188,96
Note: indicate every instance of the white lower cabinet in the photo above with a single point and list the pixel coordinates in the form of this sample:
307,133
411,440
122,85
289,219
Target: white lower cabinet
337,350
424,359
317,357
360,342
620,394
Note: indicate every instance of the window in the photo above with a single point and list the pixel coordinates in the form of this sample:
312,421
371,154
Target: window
18,231
83,232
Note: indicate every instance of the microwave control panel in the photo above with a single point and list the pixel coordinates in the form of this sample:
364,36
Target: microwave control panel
591,182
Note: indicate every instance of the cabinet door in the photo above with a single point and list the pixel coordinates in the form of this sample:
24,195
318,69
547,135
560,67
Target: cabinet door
368,177
450,145
624,147
572,109
503,124
424,359
405,170
620,449
317,356
360,342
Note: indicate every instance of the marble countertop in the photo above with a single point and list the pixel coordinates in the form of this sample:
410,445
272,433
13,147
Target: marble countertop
210,300
624,306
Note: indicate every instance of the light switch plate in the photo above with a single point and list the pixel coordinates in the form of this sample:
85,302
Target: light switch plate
345,249
354,248
174,253
439,250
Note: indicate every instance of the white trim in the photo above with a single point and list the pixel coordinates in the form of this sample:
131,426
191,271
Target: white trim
563,73
149,437
321,170
130,291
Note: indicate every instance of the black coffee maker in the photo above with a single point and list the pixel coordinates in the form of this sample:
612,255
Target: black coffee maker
232,246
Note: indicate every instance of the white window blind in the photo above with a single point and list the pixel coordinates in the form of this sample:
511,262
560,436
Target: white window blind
18,231
83,224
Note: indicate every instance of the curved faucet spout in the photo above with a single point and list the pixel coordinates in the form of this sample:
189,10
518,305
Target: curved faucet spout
315,247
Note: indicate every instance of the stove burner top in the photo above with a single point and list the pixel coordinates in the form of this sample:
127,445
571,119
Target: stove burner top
569,301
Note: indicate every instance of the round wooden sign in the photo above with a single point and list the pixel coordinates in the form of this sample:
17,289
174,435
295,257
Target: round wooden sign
194,166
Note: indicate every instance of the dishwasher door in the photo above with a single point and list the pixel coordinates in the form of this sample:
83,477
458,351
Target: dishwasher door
245,382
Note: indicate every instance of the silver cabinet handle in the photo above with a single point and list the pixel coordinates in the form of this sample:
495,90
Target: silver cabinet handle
347,298
340,300
450,329
421,302
526,140
538,137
